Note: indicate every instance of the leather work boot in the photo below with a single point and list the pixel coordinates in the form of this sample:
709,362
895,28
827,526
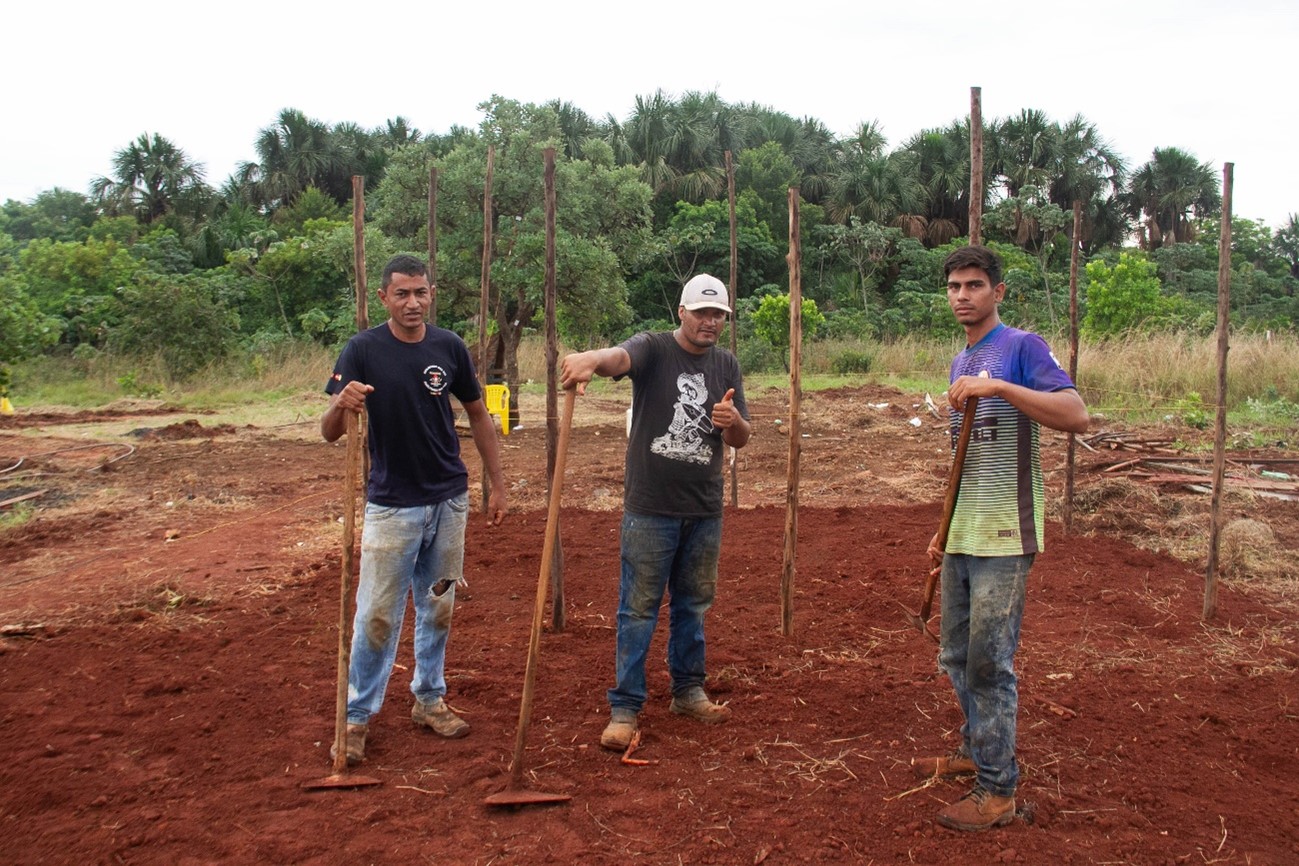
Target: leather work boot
945,766
438,716
694,703
354,744
618,733
978,810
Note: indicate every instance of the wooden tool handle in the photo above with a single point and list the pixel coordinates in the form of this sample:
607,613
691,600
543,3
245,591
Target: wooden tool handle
351,473
958,464
543,579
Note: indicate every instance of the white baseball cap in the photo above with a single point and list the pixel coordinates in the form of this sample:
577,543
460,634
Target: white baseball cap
704,291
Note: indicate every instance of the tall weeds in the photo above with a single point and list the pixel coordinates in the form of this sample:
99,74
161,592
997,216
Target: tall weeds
1141,374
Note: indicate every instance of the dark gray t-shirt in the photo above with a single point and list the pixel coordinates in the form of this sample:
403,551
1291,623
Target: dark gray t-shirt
674,456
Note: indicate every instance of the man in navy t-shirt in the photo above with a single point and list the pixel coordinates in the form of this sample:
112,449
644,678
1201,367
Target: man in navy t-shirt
404,373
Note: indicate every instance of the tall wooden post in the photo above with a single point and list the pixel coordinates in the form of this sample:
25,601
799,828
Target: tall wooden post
485,280
794,259
433,240
558,614
358,250
731,288
485,289
1074,256
1220,428
976,166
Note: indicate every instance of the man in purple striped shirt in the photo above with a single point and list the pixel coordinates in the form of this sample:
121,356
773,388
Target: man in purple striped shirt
997,528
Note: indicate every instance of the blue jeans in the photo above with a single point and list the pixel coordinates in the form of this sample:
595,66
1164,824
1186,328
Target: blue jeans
417,552
982,607
664,553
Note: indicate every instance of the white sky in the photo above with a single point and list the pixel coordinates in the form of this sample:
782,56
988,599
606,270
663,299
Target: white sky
87,78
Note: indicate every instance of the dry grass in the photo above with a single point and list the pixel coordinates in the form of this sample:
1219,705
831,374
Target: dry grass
818,770
1163,371
1248,550
1251,652
1248,553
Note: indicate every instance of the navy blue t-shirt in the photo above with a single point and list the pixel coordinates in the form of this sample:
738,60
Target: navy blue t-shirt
414,448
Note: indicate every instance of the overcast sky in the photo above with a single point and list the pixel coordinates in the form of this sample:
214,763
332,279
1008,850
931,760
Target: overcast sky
85,79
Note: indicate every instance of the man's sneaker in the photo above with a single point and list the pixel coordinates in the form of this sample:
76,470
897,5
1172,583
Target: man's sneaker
354,745
946,766
618,733
978,810
438,716
695,704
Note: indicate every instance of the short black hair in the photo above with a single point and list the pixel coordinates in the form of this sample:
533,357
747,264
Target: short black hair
403,264
974,256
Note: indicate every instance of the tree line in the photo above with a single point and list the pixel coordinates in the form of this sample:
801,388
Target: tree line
154,259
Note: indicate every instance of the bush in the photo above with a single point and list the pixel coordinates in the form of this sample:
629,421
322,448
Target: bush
1122,298
758,356
176,317
851,362
850,324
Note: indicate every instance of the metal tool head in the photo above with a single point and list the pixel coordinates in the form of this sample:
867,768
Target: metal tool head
919,622
341,780
520,797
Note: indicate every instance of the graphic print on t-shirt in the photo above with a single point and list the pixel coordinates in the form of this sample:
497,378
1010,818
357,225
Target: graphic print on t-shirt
684,440
435,379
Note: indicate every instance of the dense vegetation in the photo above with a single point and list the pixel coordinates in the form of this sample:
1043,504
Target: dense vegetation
153,260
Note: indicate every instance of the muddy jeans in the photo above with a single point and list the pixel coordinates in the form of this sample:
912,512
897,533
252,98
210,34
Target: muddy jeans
416,552
658,553
982,607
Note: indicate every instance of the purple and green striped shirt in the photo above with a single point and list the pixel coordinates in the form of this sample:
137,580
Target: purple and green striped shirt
1001,507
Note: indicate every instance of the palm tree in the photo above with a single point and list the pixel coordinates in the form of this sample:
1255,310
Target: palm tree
679,145
576,125
646,139
1089,170
151,178
1069,163
396,132
1022,150
942,158
1168,193
1087,164
878,188
1286,242
809,143
874,186
293,153
355,151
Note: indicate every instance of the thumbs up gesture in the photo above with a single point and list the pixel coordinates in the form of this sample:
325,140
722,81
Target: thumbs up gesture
724,414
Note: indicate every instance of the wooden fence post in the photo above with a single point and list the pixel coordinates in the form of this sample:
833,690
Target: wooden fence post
795,401
1220,428
976,166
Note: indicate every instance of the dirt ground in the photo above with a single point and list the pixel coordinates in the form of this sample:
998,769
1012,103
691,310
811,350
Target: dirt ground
170,616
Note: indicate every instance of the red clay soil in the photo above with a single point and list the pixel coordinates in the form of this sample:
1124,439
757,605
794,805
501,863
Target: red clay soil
167,671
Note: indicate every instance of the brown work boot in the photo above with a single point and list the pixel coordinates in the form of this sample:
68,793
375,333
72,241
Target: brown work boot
978,810
945,766
695,704
438,716
618,733
354,744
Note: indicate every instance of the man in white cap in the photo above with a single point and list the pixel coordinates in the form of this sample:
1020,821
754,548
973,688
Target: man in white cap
687,401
